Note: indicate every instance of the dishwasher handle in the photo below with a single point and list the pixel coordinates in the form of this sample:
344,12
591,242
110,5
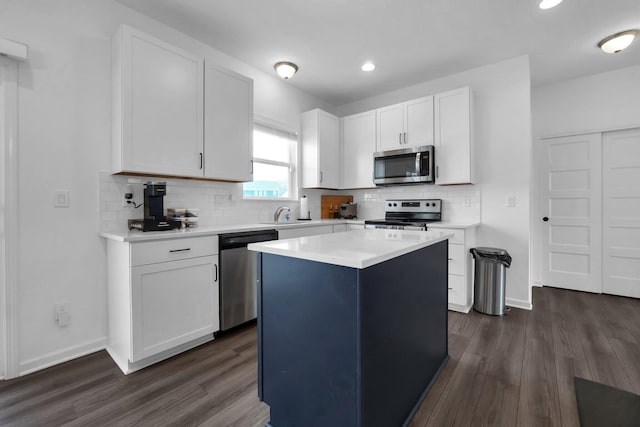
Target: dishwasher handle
241,240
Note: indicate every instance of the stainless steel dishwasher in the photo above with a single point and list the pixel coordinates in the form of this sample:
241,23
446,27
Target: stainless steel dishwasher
238,276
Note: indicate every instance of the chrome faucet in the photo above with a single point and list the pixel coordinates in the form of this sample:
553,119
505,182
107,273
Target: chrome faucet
276,215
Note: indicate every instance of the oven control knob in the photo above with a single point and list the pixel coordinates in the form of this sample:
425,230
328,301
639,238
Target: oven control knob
395,204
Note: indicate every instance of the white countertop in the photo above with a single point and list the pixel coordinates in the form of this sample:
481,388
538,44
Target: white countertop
356,249
141,236
460,224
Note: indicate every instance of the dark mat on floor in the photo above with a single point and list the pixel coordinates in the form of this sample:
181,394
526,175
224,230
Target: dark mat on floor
600,405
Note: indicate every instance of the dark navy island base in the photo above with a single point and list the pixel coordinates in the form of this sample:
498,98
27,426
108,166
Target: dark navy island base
340,346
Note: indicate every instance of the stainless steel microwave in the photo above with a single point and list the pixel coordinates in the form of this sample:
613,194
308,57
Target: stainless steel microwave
404,166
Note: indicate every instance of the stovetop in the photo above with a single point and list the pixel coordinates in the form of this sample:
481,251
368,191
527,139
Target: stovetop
410,213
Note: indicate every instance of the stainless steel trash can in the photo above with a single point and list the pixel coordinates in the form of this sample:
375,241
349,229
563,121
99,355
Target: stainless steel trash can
490,280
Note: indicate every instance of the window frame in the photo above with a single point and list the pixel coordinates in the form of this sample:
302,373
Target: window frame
294,155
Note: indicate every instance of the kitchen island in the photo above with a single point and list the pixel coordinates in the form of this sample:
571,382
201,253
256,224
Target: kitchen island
352,327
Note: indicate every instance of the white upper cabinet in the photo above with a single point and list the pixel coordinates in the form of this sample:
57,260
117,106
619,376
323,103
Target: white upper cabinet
157,106
320,150
228,125
453,145
408,124
358,146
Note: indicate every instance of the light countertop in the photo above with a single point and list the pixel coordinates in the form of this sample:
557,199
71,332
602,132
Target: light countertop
355,249
141,236
460,224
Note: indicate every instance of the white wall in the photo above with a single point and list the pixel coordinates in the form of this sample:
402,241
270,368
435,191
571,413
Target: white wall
64,140
502,112
596,103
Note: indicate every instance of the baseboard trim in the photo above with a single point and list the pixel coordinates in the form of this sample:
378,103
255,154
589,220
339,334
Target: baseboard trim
525,305
57,357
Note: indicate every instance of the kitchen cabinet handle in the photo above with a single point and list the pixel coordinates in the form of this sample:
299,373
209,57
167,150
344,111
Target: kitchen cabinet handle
400,138
436,171
216,265
545,219
321,176
405,137
450,289
251,167
201,161
179,250
450,259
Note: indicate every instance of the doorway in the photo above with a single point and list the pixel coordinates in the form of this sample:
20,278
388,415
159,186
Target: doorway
8,217
590,212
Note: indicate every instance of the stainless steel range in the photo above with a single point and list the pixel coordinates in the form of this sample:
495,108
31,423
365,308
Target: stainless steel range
408,214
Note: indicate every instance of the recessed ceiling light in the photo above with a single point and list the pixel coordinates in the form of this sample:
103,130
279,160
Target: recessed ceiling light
618,42
548,4
285,69
368,66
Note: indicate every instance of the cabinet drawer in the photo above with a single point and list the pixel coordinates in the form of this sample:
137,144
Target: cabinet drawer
458,234
172,250
457,290
457,258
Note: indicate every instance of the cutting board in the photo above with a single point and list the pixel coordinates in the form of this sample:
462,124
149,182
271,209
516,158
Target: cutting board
330,204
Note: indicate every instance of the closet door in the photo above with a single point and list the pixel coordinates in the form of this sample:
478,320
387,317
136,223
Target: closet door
621,213
572,213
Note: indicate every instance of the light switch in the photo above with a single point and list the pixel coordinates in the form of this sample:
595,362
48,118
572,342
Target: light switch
61,199
511,201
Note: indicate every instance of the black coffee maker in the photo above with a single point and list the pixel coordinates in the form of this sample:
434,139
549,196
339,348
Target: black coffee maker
154,218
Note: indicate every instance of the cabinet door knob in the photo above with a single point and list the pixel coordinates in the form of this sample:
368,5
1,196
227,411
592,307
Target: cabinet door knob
545,219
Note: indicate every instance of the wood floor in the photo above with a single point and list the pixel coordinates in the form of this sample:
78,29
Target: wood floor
512,371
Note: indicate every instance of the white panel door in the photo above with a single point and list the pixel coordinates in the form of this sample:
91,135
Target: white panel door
173,303
452,137
163,107
228,125
572,213
358,145
390,124
621,215
418,122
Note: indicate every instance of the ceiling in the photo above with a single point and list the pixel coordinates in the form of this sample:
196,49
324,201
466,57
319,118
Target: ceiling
410,41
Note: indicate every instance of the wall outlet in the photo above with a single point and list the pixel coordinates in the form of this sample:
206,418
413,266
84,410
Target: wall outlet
62,313
511,201
61,198
128,196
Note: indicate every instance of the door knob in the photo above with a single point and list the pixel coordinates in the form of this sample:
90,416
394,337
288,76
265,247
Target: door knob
545,219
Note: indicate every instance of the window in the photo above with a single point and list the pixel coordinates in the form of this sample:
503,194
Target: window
274,164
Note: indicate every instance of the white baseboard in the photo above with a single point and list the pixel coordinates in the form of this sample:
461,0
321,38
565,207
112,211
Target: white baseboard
57,357
517,303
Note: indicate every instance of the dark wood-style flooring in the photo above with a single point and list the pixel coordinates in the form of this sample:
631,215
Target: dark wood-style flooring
512,371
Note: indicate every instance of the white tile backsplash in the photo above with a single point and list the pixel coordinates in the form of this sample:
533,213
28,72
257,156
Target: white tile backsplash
221,203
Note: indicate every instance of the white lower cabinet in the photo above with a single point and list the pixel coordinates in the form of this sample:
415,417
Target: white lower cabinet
162,298
460,267
355,227
290,233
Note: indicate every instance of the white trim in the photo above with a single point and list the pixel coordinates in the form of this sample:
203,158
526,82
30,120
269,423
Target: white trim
517,303
14,50
584,132
57,357
10,146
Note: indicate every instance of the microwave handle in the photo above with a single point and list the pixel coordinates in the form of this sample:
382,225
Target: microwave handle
418,163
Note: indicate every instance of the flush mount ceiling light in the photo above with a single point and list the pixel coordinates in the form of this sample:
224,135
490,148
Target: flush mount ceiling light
548,4
368,66
286,70
618,42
